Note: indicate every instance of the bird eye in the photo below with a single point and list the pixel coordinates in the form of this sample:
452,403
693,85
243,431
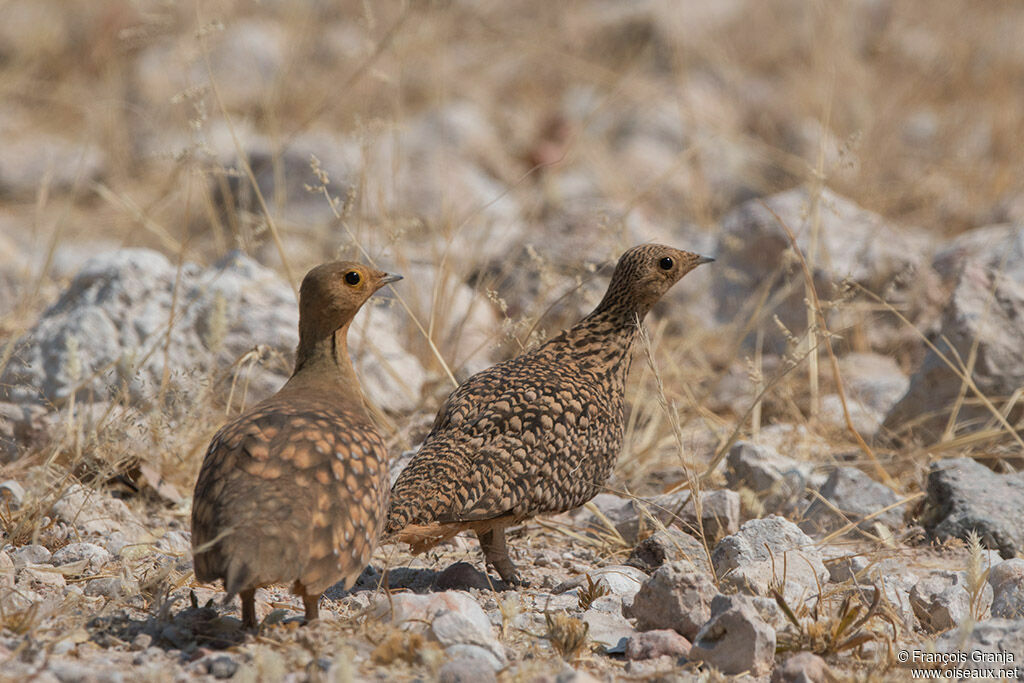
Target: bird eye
666,263
352,277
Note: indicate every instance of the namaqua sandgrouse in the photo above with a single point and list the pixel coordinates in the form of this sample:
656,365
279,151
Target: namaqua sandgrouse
295,490
536,434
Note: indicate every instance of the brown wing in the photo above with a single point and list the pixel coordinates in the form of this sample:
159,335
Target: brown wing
293,491
521,442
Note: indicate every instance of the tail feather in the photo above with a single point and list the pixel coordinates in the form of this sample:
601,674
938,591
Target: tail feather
426,487
238,577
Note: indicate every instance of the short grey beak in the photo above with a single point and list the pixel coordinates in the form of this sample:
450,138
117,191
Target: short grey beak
705,259
390,277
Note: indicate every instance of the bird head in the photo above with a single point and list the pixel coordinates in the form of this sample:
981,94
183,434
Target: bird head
332,293
645,272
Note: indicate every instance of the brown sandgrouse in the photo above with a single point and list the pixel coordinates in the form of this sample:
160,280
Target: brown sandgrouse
295,490
536,434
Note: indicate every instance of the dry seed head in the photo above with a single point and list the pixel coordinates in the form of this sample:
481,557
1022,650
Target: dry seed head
566,634
591,592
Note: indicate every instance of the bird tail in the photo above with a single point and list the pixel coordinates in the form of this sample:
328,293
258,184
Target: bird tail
425,489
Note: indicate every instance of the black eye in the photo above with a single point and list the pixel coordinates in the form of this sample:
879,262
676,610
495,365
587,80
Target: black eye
352,278
666,263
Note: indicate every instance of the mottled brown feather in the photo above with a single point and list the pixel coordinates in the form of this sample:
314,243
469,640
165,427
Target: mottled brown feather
295,490
536,434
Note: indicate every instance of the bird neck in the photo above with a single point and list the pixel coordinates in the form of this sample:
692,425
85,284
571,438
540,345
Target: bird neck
603,341
620,305
322,362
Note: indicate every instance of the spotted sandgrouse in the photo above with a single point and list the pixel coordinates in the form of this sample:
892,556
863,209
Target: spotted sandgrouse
536,434
295,490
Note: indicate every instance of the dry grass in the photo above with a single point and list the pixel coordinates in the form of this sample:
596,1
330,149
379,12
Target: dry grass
902,107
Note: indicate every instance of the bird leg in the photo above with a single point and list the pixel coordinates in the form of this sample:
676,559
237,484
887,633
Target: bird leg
492,543
248,608
312,605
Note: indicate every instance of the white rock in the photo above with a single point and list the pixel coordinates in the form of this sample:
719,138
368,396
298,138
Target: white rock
779,481
736,639
40,577
6,570
942,601
11,494
856,496
984,319
452,618
92,556
1007,581
621,580
610,630
854,243
676,597
30,554
767,551
117,309
95,513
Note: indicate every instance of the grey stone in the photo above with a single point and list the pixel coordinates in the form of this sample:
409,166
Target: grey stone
452,618
984,319
989,644
778,481
21,428
675,597
116,311
855,495
91,556
942,601
141,642
803,667
964,495
466,670
719,514
609,630
482,654
736,639
853,244
175,542
865,419
611,603
463,576
873,380
896,585
96,513
6,570
1007,581
623,581
40,577
110,587
19,599
657,643
76,671
770,550
11,494
997,247
221,666
30,554
668,545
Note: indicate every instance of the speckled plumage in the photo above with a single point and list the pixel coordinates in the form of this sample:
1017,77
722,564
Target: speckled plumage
295,490
536,434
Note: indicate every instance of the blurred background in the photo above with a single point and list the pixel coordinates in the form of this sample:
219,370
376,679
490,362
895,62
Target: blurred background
501,156
169,171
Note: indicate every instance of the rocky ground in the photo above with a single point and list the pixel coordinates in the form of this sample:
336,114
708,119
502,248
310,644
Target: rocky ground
823,475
